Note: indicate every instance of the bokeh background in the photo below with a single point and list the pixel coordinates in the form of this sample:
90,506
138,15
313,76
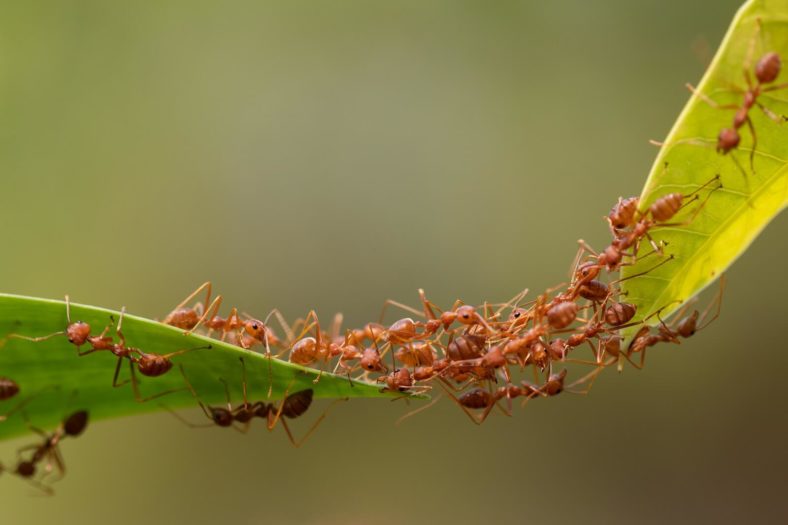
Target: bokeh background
331,155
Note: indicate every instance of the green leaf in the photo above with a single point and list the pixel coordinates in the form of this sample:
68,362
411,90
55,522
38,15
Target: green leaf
734,215
57,381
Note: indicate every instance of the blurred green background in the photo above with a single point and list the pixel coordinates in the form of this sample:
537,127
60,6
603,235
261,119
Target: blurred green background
331,155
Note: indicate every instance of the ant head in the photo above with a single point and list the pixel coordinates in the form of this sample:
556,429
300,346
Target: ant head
26,469
517,314
587,271
78,333
727,140
221,416
255,328
466,314
768,68
370,359
555,384
402,379
75,424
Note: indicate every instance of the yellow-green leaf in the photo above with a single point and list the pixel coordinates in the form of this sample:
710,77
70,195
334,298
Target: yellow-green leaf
734,215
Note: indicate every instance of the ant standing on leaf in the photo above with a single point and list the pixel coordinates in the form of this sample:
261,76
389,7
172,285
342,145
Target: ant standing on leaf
77,333
766,71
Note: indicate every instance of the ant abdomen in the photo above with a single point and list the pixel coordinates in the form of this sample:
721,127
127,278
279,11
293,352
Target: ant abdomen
304,351
620,313
464,347
8,388
666,207
152,365
370,360
185,319
402,331
594,290
688,325
476,399
623,213
296,404
768,68
76,423
562,315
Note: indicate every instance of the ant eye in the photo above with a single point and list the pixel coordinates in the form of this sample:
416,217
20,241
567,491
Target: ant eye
254,326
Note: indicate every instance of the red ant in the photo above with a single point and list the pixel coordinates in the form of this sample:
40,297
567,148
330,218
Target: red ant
292,406
766,72
683,326
49,450
77,333
149,364
26,470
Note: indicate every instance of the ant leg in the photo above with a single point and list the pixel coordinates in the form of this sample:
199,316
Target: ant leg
429,313
718,301
336,326
243,381
298,443
645,272
135,387
778,119
184,421
272,423
115,383
209,312
589,378
119,329
416,411
185,351
709,101
283,323
47,490
204,286
391,302
227,394
754,143
35,339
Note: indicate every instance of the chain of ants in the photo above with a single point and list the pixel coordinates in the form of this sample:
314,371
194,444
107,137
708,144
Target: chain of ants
470,352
